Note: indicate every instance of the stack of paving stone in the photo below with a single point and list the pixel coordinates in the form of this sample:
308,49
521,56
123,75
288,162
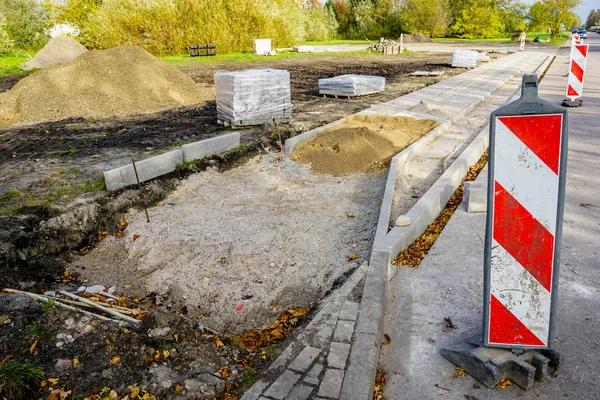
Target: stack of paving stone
385,46
253,97
351,85
465,58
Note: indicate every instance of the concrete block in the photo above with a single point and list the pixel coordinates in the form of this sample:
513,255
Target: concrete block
338,355
360,375
284,357
208,147
255,391
349,311
475,197
283,385
305,359
147,169
300,392
313,376
344,331
332,384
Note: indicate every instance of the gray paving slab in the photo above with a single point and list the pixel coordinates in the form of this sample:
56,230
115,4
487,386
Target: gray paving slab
313,375
207,147
300,392
338,354
147,169
349,311
448,284
283,385
344,331
332,384
305,359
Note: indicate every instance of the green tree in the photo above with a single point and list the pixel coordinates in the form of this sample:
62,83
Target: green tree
559,14
6,43
425,16
26,23
513,14
593,18
480,20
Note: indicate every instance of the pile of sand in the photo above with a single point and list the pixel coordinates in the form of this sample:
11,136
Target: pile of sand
416,38
100,84
360,143
61,49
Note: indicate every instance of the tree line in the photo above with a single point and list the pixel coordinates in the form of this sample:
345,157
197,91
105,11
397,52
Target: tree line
171,26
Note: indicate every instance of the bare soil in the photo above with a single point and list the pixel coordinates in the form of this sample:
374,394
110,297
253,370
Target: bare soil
308,230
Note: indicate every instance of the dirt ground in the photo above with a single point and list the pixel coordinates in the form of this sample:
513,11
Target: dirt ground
241,246
47,168
231,249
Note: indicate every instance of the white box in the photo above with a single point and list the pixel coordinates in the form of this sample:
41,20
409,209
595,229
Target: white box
262,46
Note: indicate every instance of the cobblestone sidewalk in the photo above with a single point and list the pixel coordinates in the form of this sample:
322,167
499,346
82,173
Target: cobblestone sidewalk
314,364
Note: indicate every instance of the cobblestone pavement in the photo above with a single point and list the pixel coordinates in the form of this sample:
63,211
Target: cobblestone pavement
314,364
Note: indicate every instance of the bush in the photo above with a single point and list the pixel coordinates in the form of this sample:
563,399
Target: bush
26,23
6,43
321,24
171,26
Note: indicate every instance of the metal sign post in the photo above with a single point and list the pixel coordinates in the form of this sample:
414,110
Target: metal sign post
526,188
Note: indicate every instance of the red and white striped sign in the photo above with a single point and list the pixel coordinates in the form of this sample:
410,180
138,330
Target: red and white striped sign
526,178
522,47
577,70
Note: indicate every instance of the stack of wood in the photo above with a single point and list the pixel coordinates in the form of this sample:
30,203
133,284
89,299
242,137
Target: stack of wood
385,46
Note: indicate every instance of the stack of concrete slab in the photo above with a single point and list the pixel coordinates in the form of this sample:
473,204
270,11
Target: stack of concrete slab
304,49
351,85
465,58
253,97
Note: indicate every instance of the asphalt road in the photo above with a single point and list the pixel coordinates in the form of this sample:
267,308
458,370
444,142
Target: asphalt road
449,281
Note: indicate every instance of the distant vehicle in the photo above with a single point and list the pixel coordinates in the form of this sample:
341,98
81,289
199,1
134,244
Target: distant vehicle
573,30
583,33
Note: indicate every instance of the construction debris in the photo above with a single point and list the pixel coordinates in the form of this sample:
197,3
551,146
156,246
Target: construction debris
253,97
386,46
351,85
116,308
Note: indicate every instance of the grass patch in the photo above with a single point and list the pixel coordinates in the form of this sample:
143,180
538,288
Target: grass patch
9,64
17,378
40,332
250,57
558,41
52,191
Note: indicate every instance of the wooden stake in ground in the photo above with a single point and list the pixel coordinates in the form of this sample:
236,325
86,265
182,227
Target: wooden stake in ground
279,133
140,187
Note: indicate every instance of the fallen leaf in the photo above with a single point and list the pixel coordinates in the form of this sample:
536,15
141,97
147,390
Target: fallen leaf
115,360
75,362
223,373
219,343
461,372
57,173
136,237
84,250
165,353
33,346
121,225
178,388
52,381
113,395
352,256
388,339
504,383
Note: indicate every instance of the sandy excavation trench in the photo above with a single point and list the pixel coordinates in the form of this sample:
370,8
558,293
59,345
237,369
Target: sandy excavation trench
267,236
276,233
